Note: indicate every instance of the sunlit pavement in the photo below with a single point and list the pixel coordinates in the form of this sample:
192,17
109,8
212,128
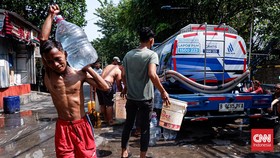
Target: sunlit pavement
30,134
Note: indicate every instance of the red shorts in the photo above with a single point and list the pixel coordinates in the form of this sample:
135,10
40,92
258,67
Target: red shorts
74,139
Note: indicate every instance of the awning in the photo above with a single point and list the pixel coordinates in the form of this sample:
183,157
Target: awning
16,27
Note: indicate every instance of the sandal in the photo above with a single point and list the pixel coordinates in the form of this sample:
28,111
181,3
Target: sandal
128,156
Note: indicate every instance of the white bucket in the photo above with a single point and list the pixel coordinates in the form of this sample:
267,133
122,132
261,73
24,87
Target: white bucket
172,115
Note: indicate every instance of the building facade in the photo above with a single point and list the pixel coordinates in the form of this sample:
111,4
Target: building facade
19,53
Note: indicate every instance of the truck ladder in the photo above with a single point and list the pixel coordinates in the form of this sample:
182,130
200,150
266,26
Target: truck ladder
207,41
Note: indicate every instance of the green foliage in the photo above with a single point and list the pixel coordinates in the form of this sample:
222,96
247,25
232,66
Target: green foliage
36,11
119,24
117,39
267,23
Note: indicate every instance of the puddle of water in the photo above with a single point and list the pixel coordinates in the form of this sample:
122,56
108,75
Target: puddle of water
8,121
45,119
103,153
221,142
13,120
21,118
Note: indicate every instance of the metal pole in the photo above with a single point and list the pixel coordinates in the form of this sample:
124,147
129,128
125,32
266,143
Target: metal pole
250,46
250,50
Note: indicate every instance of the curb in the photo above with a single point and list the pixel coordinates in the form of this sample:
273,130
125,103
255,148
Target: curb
33,96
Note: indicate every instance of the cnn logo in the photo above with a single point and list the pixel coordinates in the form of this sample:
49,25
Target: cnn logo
258,138
262,140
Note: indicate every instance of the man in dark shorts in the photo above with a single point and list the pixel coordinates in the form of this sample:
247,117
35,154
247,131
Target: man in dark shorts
111,74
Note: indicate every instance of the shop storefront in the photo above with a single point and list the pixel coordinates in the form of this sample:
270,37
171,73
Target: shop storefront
19,51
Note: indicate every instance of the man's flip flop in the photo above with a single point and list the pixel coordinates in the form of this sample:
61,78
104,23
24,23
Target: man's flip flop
128,156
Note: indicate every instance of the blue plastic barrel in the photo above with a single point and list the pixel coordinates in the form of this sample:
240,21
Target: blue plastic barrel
11,104
17,103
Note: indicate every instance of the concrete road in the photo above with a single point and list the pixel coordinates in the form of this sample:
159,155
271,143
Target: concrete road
30,134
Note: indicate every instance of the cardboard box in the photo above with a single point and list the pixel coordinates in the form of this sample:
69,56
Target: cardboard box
120,110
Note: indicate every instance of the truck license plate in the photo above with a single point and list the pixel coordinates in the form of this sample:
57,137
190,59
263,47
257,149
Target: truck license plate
225,107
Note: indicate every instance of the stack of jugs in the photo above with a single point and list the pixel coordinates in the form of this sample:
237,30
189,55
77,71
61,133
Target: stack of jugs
91,110
155,131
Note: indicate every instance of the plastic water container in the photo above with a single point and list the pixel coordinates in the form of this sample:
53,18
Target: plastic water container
157,99
75,42
154,121
169,134
155,131
11,104
91,106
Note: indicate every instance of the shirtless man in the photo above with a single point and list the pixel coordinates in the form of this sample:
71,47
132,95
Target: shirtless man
111,73
73,135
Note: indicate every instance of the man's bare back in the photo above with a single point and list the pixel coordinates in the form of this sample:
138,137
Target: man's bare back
112,73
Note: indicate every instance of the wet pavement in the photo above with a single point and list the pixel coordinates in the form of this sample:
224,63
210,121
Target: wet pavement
30,134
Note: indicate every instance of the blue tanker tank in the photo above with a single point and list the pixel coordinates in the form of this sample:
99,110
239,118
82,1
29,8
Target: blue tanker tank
203,58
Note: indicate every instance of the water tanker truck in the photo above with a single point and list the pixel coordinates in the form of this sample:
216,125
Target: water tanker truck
205,66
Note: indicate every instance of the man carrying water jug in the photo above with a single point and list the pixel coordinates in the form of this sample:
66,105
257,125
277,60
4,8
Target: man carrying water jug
74,133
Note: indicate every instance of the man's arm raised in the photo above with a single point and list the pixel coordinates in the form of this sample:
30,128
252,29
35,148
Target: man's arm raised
47,26
95,79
